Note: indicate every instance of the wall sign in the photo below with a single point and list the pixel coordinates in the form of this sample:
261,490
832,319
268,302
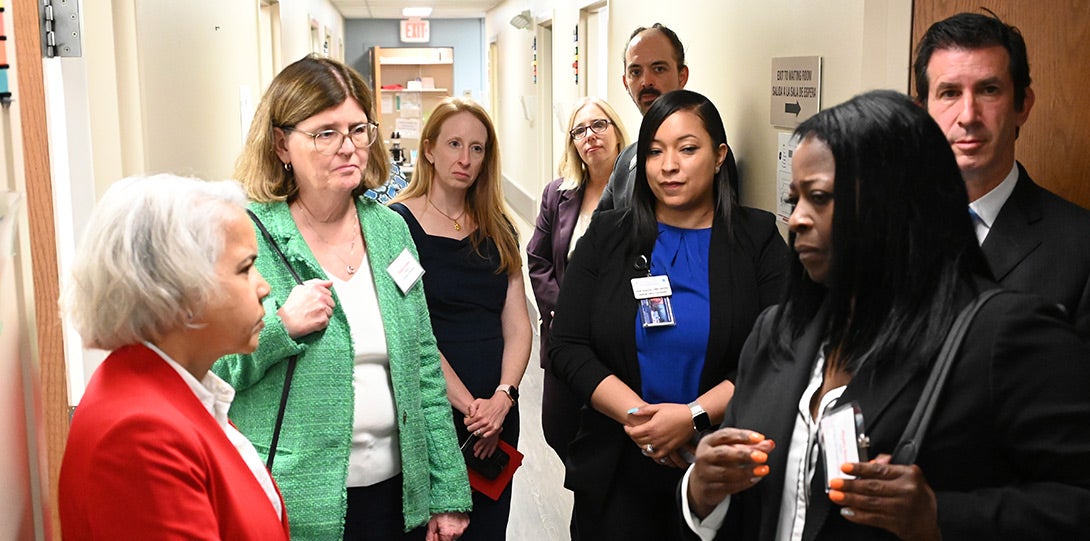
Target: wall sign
795,90
415,31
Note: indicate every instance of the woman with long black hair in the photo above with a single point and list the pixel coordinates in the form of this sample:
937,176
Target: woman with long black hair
655,374
885,260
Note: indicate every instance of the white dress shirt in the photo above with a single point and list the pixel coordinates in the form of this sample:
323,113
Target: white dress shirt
802,458
987,206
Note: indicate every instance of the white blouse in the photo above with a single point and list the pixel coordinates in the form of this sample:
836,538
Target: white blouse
376,453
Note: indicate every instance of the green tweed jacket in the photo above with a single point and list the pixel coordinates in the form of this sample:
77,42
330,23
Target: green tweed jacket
312,456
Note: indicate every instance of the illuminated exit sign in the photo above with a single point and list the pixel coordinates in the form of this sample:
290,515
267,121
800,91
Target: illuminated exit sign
415,31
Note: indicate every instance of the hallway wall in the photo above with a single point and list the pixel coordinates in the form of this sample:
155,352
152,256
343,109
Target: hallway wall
864,44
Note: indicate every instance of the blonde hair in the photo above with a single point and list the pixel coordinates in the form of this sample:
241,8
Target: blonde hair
148,257
572,168
301,90
484,199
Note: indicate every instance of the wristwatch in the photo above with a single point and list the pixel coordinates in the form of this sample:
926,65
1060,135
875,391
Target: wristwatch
511,391
701,420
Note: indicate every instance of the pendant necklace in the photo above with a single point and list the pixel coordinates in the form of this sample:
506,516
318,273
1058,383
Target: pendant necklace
350,269
457,226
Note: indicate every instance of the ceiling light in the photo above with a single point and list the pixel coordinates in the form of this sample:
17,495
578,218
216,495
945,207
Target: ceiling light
415,12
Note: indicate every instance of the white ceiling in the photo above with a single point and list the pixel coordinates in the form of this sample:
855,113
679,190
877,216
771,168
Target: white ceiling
391,9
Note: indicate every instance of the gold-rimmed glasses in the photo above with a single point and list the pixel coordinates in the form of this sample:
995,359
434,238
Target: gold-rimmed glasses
328,142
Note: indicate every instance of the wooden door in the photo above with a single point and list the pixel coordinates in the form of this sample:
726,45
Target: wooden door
49,380
1054,144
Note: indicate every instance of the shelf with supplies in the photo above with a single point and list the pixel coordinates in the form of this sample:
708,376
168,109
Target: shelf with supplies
444,91
419,78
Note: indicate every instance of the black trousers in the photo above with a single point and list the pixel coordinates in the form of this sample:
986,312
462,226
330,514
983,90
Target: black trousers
559,414
374,514
640,505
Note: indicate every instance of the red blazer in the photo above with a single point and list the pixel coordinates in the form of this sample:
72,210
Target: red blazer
145,460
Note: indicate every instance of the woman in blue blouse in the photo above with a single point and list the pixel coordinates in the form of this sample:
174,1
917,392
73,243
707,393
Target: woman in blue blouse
654,383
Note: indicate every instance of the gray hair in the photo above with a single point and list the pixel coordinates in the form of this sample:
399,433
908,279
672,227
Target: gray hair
146,263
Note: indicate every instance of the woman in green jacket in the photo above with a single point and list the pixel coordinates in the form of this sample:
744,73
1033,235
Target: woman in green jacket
367,431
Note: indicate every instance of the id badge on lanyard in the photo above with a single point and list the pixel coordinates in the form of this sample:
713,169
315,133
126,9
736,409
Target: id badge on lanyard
654,293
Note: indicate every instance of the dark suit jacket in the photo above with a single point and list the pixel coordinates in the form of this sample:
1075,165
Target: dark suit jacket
145,460
1008,450
593,335
547,251
1040,243
618,192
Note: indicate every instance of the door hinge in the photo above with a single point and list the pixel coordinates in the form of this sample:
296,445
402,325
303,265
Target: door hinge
60,28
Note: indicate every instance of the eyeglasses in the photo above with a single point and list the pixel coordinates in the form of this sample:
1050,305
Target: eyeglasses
597,125
328,142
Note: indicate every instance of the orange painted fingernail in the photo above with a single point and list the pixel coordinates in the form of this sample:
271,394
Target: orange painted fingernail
758,456
836,483
755,437
760,471
847,467
836,495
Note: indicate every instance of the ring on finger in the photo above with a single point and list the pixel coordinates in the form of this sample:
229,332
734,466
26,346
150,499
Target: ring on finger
649,449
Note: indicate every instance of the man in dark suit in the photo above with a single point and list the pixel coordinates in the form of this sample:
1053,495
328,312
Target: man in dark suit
972,75
654,64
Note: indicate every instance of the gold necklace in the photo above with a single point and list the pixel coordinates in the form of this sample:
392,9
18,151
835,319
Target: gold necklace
351,269
457,226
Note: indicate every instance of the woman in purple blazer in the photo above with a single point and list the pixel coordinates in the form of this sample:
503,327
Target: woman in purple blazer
595,138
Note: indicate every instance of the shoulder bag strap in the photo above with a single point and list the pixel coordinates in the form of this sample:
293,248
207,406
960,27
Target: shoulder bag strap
291,360
912,439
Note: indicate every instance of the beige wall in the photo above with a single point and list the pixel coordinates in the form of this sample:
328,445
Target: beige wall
864,44
174,83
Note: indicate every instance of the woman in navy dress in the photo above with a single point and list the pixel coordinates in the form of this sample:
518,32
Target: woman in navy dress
473,283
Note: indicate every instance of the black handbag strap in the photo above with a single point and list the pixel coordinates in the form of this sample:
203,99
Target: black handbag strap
912,439
291,360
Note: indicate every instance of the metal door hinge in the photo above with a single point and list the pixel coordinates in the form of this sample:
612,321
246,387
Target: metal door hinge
60,28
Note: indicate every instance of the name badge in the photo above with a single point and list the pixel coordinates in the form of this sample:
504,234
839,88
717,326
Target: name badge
654,293
843,439
651,286
405,271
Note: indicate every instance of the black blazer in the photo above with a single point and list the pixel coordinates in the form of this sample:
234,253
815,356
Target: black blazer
618,192
593,334
1008,450
547,251
1040,243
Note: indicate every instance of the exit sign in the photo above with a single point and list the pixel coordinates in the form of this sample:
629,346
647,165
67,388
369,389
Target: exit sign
415,31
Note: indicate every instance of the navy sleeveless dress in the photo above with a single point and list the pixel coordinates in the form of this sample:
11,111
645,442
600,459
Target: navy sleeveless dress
465,299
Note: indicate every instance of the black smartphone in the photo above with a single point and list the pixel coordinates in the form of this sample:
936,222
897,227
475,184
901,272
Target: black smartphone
489,468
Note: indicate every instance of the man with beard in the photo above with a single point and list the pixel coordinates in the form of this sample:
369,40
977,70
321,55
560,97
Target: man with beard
654,64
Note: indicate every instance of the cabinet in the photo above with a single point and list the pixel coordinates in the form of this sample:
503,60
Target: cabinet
409,83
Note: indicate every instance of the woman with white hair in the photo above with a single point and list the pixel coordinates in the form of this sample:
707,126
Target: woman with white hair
165,278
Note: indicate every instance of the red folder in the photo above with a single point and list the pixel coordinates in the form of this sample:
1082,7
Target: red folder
493,488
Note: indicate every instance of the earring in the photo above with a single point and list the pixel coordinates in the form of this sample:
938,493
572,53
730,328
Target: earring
717,169
287,166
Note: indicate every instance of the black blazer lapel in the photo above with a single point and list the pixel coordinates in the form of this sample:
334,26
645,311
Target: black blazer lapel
779,413
567,213
1012,237
721,335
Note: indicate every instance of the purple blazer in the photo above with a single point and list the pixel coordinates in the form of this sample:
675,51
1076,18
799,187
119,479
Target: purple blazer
547,251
